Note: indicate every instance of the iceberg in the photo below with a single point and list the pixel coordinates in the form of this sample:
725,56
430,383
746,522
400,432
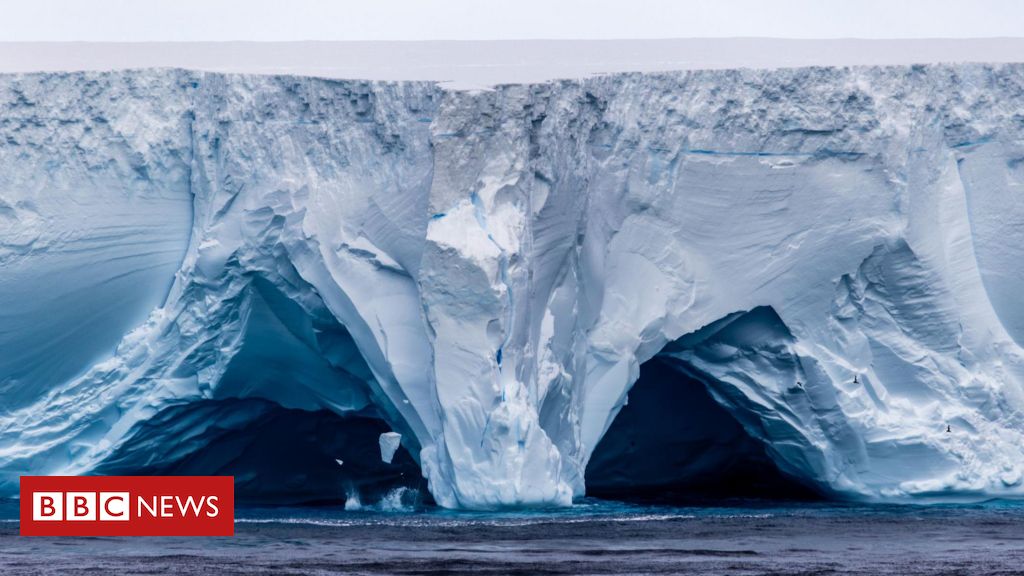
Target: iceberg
826,258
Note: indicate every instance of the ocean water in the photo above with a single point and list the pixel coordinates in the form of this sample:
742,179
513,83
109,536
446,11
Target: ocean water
593,537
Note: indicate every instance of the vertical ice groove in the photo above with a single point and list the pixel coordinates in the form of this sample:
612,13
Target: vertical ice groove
488,270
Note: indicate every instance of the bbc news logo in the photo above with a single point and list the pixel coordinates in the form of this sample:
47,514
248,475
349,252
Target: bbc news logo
127,506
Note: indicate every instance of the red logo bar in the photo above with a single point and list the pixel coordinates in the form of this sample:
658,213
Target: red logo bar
127,506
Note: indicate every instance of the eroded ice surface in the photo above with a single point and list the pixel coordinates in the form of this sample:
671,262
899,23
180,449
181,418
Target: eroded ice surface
486,270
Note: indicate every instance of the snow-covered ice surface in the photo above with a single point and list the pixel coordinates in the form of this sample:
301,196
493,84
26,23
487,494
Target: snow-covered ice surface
486,270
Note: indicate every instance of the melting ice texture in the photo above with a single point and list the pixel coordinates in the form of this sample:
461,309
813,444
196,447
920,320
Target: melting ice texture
486,270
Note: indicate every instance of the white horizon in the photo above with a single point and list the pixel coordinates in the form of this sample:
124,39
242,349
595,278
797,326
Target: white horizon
415,20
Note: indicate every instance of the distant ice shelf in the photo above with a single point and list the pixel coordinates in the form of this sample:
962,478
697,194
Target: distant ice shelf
467,65
197,268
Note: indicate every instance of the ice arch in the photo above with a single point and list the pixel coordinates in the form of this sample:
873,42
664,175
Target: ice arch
296,282
291,417
673,442
722,411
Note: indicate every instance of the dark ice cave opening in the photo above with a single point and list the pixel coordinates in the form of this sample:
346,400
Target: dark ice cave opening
269,421
278,456
672,443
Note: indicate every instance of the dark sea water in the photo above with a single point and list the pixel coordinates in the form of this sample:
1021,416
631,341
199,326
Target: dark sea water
593,537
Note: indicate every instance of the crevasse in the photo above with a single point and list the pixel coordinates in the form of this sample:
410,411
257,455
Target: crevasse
485,271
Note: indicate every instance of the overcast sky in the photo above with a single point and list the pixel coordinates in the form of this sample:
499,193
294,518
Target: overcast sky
194,20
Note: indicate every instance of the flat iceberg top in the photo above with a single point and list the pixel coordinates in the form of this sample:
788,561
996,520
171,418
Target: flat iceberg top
473,64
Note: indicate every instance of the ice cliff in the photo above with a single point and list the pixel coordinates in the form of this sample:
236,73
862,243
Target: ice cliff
833,254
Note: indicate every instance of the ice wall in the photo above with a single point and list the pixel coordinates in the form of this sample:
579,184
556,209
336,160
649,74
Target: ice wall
486,270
